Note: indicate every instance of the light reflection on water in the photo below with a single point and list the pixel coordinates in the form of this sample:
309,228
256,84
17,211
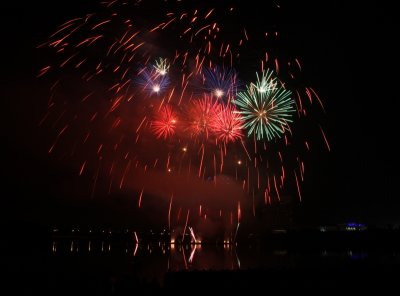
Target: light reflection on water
176,256
153,260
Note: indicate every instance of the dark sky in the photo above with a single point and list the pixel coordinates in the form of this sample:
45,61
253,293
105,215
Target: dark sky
349,54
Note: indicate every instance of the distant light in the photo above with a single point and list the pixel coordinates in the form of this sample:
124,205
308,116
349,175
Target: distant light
184,149
169,170
355,226
239,162
279,231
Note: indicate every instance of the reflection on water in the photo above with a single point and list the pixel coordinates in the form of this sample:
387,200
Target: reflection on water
150,260
104,266
153,260
175,256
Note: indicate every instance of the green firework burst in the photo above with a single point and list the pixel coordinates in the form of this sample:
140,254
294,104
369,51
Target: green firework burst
265,107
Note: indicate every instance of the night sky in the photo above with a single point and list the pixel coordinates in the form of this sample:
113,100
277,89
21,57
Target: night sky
349,55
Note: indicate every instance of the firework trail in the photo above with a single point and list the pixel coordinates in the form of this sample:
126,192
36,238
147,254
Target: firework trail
141,92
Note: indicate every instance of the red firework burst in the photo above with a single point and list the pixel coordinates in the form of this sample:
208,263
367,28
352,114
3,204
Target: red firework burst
202,114
228,125
164,125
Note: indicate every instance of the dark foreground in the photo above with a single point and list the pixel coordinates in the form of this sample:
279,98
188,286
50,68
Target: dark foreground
288,263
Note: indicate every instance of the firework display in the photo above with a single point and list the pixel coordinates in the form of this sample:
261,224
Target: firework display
164,89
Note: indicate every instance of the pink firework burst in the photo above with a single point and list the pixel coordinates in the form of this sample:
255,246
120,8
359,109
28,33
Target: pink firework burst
202,114
164,124
228,125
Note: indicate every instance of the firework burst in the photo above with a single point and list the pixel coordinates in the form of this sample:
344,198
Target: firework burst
201,115
165,123
152,81
228,125
266,108
222,84
161,66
